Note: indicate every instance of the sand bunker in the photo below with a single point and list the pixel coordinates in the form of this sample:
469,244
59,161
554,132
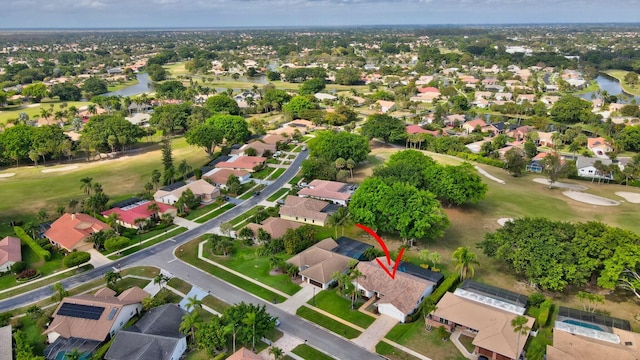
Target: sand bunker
629,196
64,168
590,199
483,172
6,175
503,221
560,184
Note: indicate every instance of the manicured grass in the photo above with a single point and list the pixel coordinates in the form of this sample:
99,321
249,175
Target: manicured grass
467,342
204,209
215,213
415,337
43,282
180,285
392,352
262,174
619,75
328,323
136,239
237,220
246,196
33,334
123,176
145,271
121,85
11,112
215,303
34,262
130,282
130,251
245,261
296,179
278,194
168,296
276,174
309,353
331,302
188,253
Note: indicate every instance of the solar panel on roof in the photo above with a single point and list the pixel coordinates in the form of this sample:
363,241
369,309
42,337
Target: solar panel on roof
81,311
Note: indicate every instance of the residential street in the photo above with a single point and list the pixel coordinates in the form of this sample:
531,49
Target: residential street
161,255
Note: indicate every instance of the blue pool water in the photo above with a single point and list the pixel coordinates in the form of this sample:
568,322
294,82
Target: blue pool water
582,324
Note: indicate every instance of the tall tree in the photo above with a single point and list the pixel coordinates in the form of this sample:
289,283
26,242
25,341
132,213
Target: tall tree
190,322
465,260
384,127
519,324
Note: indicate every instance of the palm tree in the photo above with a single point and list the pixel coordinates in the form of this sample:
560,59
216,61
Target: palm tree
58,115
92,109
465,260
192,303
161,280
427,308
111,278
355,274
350,165
190,322
86,185
45,113
59,292
250,320
184,169
154,208
42,215
519,324
277,353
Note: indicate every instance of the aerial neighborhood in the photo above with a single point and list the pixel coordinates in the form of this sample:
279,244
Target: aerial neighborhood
321,193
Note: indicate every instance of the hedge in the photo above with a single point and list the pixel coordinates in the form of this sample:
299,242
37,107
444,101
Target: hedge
449,282
545,309
482,160
42,253
76,258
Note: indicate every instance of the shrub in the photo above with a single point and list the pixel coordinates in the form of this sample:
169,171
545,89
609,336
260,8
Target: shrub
42,253
536,299
449,282
26,274
220,356
545,309
76,258
18,267
116,243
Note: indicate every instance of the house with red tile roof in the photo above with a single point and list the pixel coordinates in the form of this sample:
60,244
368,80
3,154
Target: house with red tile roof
247,163
384,106
139,210
10,252
520,133
244,354
599,146
334,191
471,126
274,139
417,129
70,231
258,145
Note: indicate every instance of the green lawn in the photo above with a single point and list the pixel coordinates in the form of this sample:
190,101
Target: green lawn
149,243
33,262
619,75
309,353
331,302
215,303
204,209
278,194
130,282
168,296
245,261
34,334
121,85
392,352
328,323
136,239
237,220
123,176
415,337
215,213
188,253
180,285
11,112
296,179
276,174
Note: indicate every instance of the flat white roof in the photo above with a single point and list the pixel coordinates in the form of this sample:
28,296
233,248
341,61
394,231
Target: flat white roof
514,309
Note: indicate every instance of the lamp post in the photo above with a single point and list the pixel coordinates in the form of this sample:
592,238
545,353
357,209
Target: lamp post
314,295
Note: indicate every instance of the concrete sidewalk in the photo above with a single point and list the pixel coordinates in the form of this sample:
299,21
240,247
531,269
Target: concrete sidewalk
185,223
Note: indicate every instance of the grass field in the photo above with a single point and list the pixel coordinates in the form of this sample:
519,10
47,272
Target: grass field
165,236
619,75
11,112
215,213
31,189
327,323
278,194
245,261
276,174
240,218
121,85
415,337
393,353
308,353
331,302
180,285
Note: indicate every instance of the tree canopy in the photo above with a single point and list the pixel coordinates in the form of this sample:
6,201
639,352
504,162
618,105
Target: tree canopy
96,133
222,104
94,86
571,109
297,106
329,145
234,129
384,127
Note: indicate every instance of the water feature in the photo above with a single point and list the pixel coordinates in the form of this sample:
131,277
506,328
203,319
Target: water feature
612,86
142,86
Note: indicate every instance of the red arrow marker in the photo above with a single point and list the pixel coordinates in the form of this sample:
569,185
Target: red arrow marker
386,252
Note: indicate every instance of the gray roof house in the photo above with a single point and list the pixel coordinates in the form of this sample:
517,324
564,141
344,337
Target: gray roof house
155,336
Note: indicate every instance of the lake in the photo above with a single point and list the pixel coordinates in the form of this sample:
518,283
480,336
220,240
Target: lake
142,86
612,86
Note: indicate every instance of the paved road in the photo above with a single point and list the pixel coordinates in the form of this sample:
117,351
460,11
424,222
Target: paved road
161,255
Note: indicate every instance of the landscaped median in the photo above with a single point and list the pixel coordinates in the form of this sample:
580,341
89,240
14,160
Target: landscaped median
328,323
189,253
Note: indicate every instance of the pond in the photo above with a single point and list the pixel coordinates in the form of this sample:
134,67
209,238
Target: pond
143,85
612,86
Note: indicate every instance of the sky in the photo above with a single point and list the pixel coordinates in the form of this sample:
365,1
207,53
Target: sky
283,13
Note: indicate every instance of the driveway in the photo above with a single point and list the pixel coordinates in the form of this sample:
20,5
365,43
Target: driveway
375,332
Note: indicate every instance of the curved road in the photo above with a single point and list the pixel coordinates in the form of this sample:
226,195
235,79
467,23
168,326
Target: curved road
161,255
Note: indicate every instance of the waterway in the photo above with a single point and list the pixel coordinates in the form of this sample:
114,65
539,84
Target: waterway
143,85
612,86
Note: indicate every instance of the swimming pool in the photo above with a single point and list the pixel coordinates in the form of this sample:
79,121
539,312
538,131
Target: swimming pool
582,324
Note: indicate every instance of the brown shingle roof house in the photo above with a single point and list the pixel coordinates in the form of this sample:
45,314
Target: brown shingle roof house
318,263
567,346
276,227
334,191
306,210
244,354
71,230
10,252
94,316
397,298
242,163
484,318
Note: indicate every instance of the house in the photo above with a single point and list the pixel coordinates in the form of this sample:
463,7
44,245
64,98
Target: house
307,210
247,163
70,231
599,146
258,145
520,133
581,335
274,139
417,129
526,98
200,188
84,321
334,191
10,252
140,119
471,126
129,212
244,354
398,298
6,343
219,177
505,96
156,336
451,120
276,227
385,106
318,263
586,168
545,138
484,313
